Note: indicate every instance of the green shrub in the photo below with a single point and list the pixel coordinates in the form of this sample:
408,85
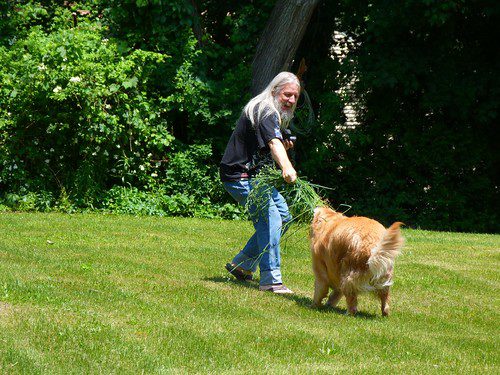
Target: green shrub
29,201
193,169
130,200
110,112
77,114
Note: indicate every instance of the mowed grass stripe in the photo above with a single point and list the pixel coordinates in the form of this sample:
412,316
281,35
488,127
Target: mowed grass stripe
122,294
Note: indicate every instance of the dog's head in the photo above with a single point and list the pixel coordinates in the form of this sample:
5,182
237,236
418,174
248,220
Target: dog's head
324,213
321,216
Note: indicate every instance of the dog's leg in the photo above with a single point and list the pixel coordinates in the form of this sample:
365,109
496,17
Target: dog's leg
334,297
320,291
352,303
348,288
384,299
320,282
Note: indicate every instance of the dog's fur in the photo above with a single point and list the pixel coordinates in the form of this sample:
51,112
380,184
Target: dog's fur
351,255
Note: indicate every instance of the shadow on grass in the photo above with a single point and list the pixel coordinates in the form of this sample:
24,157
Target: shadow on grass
340,311
302,301
233,281
307,302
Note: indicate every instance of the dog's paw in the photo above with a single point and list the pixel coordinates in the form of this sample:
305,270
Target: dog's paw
352,311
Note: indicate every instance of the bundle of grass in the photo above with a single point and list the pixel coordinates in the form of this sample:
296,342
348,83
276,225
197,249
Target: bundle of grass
302,196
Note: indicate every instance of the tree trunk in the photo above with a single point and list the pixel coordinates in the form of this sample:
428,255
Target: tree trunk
280,39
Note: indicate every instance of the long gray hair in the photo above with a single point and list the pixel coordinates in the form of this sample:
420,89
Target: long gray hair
263,105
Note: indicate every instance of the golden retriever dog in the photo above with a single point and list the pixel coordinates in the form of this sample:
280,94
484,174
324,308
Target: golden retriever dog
351,255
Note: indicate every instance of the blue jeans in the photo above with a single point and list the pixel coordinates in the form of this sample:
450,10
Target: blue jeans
270,223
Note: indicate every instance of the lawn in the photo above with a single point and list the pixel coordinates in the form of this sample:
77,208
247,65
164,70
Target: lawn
92,293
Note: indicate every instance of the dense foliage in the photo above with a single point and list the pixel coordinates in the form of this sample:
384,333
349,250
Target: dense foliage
110,103
126,105
427,95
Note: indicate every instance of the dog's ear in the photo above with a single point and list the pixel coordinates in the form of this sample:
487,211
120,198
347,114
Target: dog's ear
317,212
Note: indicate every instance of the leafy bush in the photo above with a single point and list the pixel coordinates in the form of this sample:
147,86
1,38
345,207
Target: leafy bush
133,201
77,114
86,113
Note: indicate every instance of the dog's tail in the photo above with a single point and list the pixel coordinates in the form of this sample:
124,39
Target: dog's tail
382,256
